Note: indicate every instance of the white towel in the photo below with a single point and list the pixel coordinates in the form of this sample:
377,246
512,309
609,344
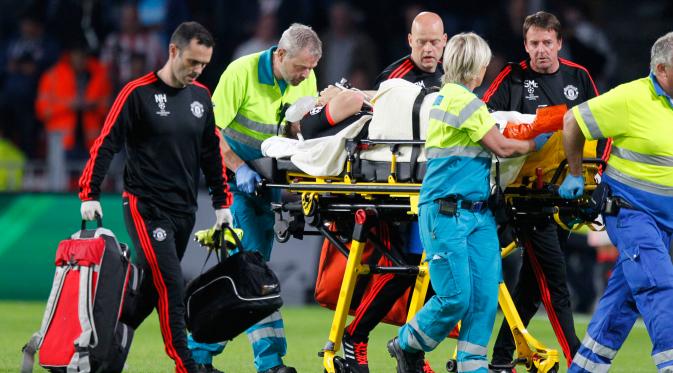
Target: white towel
323,156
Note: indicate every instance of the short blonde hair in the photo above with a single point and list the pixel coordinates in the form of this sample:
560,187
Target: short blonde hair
464,56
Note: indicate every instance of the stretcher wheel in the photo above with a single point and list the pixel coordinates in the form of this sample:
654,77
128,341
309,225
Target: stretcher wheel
451,366
283,237
281,231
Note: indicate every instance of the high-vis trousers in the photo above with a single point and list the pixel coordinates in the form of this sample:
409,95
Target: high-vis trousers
160,240
464,262
254,216
641,283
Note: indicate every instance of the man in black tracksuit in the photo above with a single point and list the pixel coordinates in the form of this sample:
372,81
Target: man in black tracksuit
165,122
542,80
422,67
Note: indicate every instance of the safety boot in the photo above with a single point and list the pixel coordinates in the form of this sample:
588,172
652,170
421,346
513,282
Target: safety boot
355,354
207,368
281,369
407,362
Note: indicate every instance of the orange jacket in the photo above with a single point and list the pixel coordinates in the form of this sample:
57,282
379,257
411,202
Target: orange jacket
57,91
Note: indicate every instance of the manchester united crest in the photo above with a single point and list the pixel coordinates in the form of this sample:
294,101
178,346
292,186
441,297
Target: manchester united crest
571,92
197,109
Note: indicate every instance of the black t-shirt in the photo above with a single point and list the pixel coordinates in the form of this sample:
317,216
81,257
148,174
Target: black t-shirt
406,69
169,135
519,88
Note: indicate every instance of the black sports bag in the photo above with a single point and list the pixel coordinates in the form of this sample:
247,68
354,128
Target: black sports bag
231,296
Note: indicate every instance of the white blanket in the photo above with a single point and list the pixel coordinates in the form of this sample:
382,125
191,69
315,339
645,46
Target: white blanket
323,156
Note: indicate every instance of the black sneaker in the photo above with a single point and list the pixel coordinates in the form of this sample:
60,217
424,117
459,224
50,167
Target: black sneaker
355,354
500,367
207,368
281,369
407,362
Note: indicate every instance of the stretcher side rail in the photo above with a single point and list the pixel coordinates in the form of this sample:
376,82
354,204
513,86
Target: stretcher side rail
541,199
321,219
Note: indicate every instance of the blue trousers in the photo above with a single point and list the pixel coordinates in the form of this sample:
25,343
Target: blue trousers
254,216
641,283
464,262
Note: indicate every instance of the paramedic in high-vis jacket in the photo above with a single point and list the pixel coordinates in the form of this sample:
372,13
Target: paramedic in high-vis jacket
639,117
457,229
248,102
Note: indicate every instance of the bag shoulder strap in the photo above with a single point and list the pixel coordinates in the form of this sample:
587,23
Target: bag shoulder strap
416,131
31,347
88,337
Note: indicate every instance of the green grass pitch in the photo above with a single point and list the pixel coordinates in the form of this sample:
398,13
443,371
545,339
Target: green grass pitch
307,329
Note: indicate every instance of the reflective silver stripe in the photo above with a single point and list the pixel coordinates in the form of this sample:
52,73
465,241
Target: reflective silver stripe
657,160
589,365
590,121
453,120
598,348
242,138
413,342
271,318
663,357
646,186
470,109
256,126
460,151
424,337
262,333
471,348
472,365
444,117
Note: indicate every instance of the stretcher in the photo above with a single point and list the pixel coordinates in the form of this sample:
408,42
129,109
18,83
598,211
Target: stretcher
367,192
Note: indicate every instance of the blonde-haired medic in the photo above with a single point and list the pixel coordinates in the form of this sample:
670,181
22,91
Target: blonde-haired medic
458,231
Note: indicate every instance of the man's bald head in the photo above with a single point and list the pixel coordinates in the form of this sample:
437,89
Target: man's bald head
427,40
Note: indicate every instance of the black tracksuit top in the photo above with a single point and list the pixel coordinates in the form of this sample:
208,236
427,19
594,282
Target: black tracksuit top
406,69
169,135
571,84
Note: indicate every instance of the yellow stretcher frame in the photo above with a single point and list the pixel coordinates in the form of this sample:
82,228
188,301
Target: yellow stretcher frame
531,353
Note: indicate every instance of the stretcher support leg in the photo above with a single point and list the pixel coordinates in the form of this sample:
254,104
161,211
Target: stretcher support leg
528,349
420,289
353,269
530,352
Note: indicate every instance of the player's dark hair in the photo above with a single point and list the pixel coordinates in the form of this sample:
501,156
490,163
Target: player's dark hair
187,31
543,20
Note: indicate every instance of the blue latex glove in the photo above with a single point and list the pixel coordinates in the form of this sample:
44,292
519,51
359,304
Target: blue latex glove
572,187
247,179
541,139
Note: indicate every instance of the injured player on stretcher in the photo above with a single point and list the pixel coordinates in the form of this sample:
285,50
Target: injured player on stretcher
315,143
